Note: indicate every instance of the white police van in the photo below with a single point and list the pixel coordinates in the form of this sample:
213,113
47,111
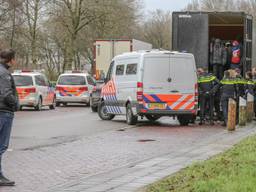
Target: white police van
151,84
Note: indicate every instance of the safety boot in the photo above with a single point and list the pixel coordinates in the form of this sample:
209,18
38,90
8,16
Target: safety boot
6,182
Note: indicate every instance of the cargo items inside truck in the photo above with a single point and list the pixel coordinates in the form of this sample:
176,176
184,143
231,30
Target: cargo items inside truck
194,31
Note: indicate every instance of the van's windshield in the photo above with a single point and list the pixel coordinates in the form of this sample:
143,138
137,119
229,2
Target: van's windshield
22,80
72,80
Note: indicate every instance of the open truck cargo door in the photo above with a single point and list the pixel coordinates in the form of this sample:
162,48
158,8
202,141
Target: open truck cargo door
191,34
194,31
248,31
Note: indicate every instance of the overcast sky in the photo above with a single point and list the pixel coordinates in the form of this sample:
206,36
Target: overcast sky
172,5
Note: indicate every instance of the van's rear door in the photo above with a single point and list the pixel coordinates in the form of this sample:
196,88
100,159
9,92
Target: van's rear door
156,80
184,81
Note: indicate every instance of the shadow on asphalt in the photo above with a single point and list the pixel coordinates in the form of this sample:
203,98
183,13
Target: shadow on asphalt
170,124
33,110
74,105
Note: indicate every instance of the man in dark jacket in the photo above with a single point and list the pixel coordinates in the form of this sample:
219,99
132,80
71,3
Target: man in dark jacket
219,58
208,86
228,91
8,105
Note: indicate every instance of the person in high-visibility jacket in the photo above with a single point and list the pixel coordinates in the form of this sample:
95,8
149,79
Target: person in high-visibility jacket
250,87
241,84
254,81
228,91
208,85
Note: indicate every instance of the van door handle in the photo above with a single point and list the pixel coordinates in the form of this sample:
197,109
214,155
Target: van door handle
169,79
175,91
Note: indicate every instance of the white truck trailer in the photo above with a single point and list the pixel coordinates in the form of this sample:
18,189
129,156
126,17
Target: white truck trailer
106,50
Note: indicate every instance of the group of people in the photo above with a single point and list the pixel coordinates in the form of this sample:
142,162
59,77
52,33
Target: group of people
224,55
225,83
214,93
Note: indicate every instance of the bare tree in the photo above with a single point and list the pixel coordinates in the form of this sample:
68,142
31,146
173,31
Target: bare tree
157,29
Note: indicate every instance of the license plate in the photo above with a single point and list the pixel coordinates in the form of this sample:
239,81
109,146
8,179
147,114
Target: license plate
157,106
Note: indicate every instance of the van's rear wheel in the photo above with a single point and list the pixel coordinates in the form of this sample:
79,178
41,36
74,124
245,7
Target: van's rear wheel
131,119
152,117
102,112
184,120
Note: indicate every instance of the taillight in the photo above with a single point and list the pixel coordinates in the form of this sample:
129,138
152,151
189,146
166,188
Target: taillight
83,88
30,90
140,92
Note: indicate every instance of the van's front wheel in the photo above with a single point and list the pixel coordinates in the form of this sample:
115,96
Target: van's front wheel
102,112
184,120
131,119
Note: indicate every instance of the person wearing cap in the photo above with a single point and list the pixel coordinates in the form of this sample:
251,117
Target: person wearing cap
8,105
236,55
207,86
219,58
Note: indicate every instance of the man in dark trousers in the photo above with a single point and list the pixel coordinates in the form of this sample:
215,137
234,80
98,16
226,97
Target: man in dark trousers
208,85
8,105
228,91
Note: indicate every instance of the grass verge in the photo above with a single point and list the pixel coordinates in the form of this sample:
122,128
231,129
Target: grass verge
232,171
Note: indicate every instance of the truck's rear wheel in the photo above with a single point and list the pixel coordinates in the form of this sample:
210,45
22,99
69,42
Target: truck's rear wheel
152,117
102,112
184,120
131,119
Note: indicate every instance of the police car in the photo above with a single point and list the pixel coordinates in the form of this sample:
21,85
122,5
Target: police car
150,84
34,90
74,87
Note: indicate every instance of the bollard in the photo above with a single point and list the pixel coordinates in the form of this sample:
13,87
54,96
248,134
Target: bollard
242,112
250,107
231,115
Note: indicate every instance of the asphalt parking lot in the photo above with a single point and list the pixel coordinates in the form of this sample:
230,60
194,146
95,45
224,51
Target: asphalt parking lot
50,148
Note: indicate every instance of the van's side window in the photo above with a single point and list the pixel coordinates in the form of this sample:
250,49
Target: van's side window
131,69
119,69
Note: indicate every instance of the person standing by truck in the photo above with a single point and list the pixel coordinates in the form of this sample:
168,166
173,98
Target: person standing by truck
254,81
208,85
8,105
229,55
236,55
228,91
219,58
